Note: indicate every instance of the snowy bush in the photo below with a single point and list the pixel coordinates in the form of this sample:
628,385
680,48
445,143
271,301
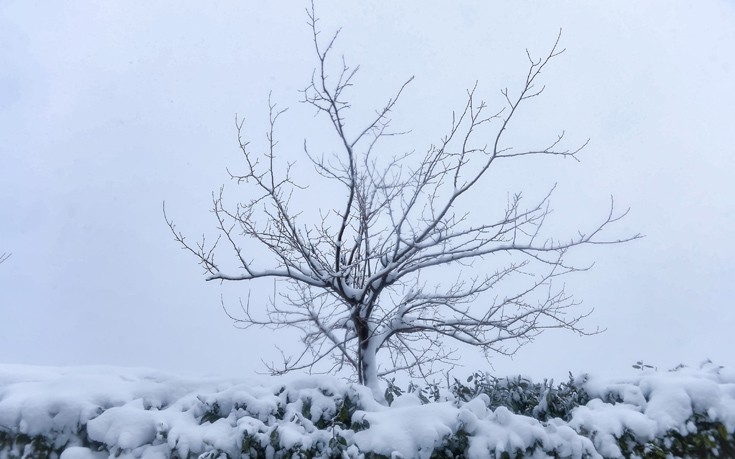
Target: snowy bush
522,396
95,413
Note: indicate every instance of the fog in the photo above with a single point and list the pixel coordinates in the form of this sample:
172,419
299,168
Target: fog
109,109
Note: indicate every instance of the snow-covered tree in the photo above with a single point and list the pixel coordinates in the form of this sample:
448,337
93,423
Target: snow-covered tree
355,283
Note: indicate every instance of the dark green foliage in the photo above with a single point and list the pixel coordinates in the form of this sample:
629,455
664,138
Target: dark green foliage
254,446
522,396
212,413
346,408
392,391
454,447
711,440
639,365
27,447
15,445
427,394
306,408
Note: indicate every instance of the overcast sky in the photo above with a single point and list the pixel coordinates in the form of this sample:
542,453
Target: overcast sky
109,108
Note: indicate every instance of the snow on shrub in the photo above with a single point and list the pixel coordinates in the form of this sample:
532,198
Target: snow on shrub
98,412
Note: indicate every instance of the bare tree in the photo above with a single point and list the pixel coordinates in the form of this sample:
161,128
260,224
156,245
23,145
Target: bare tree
354,282
4,256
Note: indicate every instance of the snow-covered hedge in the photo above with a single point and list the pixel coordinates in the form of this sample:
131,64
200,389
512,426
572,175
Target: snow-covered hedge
94,413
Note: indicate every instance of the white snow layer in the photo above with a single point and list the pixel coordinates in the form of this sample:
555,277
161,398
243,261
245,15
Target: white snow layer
149,414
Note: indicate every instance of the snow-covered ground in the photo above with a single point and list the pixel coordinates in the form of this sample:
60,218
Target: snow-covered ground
98,412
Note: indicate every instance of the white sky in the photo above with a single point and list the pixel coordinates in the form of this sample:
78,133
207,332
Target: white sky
109,108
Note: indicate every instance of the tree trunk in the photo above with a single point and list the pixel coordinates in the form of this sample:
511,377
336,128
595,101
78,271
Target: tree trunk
366,359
